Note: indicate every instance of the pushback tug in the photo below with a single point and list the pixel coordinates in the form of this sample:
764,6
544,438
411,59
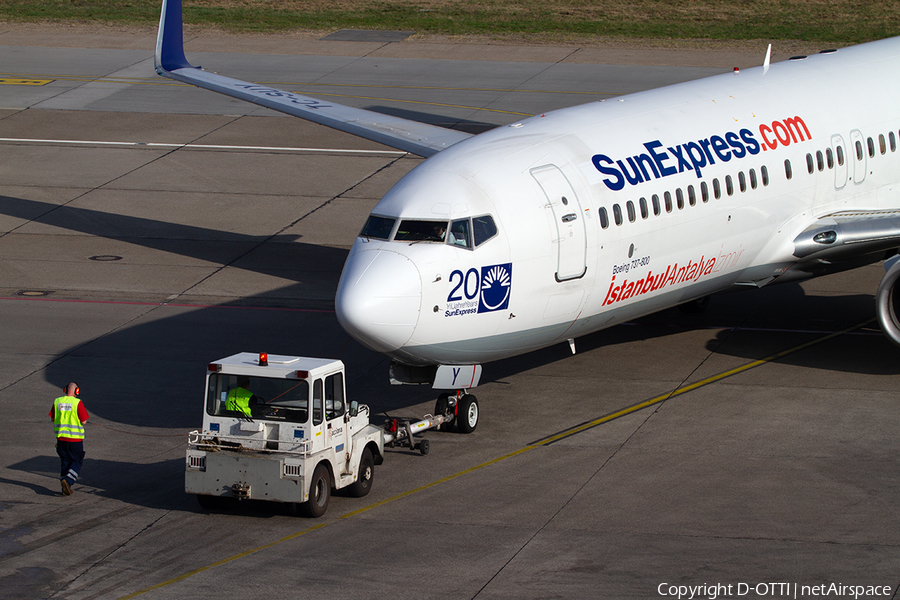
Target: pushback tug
279,428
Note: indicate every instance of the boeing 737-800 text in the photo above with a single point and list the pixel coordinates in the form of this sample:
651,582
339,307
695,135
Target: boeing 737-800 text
576,220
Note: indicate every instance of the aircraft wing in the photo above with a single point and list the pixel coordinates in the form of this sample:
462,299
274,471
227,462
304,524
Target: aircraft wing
410,136
848,234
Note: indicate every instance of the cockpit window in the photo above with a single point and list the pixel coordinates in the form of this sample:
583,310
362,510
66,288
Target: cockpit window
378,228
421,231
483,229
459,234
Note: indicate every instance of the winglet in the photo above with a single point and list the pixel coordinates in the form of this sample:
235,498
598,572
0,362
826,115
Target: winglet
765,62
169,41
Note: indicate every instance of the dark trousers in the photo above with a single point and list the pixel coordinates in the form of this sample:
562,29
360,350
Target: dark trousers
71,456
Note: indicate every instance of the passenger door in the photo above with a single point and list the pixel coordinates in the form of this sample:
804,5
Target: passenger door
568,232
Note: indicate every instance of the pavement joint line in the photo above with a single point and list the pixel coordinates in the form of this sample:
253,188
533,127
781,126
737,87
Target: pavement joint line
532,446
204,146
158,81
693,386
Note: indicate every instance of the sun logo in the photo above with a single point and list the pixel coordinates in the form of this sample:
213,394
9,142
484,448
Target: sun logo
496,283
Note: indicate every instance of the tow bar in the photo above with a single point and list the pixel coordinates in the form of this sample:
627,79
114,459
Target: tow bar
402,432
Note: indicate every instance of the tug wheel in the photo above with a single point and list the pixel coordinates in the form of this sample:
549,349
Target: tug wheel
363,483
319,493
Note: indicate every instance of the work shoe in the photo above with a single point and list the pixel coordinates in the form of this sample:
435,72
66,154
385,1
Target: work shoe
66,488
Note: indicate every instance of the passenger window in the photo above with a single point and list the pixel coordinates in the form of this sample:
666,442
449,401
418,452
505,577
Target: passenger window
704,191
483,229
893,141
630,206
881,144
809,163
717,189
317,402
692,196
742,181
459,234
840,156
871,144
829,156
656,209
377,227
729,185
752,179
859,150
617,214
668,199
787,167
334,396
764,171
820,161
644,212
604,218
679,198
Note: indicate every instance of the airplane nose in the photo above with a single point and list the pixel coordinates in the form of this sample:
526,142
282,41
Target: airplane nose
379,298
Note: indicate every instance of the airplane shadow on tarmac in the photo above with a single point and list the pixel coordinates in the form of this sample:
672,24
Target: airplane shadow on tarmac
146,484
151,374
158,485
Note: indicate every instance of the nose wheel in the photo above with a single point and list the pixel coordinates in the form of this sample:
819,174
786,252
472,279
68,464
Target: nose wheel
463,406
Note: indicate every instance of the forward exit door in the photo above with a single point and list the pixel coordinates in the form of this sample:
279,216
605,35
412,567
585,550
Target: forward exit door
568,233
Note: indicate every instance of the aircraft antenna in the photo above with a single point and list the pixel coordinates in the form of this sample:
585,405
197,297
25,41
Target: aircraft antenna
768,59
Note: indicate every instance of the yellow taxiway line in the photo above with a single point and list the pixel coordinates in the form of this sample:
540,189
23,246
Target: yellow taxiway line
538,444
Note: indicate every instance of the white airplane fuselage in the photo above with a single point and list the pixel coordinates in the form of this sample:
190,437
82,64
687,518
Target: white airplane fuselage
616,209
579,219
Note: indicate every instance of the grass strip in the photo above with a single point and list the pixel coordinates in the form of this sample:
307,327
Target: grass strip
839,21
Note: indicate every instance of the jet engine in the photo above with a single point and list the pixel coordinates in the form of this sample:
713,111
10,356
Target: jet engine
887,300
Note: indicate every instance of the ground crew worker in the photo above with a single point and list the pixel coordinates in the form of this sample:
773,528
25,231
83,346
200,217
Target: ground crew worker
238,398
69,415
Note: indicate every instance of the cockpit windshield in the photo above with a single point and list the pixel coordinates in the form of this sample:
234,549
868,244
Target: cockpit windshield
378,227
421,231
258,398
466,233
484,229
459,234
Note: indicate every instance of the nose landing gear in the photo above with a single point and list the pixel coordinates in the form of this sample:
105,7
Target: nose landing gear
463,406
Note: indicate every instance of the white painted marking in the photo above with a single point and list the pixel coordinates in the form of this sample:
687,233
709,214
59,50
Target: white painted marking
205,146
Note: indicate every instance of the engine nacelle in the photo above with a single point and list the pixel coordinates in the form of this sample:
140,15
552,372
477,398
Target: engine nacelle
887,300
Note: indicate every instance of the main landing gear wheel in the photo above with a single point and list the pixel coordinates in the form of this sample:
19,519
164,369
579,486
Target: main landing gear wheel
694,307
467,414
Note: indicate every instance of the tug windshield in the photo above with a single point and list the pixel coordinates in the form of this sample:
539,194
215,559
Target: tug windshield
258,398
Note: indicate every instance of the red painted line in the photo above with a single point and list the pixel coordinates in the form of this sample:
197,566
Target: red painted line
310,310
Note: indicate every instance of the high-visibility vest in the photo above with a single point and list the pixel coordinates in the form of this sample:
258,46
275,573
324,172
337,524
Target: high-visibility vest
65,418
239,399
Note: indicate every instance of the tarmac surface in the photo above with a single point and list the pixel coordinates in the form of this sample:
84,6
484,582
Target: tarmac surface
148,228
